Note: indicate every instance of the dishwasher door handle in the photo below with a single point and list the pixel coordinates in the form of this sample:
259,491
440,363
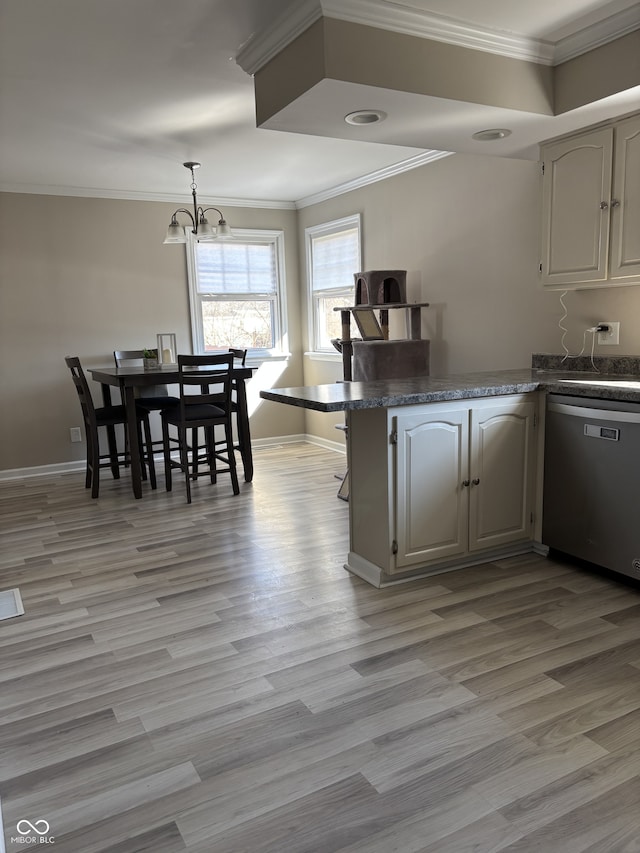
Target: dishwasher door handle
594,414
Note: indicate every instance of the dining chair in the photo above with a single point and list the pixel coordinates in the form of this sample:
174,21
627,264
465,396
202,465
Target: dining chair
239,359
205,402
108,417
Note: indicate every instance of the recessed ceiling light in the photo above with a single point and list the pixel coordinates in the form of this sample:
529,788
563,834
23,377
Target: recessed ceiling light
365,117
492,134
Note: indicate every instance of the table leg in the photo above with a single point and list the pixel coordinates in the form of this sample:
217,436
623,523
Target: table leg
244,435
111,436
112,444
134,445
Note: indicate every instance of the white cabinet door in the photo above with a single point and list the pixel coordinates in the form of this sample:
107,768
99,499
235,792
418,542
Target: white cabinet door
625,204
576,190
501,474
431,494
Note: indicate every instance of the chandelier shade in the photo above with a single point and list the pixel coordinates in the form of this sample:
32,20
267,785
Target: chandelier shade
201,228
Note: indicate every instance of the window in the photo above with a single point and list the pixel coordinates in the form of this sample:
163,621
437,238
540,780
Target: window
235,289
333,256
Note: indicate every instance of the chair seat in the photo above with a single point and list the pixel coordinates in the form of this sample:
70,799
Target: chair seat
156,404
192,413
111,415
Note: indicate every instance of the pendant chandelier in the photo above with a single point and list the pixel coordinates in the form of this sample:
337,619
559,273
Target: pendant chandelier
200,227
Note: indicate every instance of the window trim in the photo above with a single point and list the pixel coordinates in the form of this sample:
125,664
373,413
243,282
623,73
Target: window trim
280,333
324,229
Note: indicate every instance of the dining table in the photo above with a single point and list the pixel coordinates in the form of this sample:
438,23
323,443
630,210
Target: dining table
130,379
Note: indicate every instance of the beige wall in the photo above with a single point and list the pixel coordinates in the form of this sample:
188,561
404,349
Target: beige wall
466,230
93,275
607,69
87,276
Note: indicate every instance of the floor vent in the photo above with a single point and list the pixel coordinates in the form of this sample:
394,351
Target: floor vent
10,604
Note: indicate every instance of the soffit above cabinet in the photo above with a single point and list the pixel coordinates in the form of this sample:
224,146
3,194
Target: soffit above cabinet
438,80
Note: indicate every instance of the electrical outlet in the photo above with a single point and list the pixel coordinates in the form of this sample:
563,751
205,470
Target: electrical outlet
612,337
75,433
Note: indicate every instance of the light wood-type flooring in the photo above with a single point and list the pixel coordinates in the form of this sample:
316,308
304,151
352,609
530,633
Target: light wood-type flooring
208,678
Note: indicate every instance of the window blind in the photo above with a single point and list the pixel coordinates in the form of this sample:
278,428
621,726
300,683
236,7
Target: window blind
236,268
335,259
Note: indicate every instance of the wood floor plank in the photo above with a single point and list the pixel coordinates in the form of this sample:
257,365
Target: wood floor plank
489,834
437,819
529,658
587,827
249,793
545,765
208,678
564,795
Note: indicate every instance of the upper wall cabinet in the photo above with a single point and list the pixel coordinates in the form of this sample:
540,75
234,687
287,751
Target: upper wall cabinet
625,223
591,208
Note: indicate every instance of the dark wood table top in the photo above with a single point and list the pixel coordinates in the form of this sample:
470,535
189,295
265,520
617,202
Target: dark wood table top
138,376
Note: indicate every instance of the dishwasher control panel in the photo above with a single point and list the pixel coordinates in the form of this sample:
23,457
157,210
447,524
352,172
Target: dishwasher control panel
595,431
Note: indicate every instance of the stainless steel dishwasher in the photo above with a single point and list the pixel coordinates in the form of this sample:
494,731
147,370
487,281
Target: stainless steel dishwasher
591,506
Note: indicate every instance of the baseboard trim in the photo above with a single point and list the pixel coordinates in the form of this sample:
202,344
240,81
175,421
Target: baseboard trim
539,548
336,446
363,569
79,464
43,470
300,438
374,575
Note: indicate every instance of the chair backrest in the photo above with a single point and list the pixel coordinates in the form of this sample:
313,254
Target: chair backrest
239,358
135,358
205,380
82,387
128,357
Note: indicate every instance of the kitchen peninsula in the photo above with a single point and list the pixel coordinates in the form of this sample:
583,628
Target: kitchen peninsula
446,471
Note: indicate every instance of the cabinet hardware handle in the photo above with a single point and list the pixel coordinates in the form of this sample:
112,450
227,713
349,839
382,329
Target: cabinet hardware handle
615,202
465,483
475,481
603,205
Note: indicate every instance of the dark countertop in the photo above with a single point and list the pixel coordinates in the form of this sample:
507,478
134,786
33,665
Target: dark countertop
343,396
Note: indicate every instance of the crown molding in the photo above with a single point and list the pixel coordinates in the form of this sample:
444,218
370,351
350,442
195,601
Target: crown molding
130,195
589,38
374,177
263,46
340,189
399,18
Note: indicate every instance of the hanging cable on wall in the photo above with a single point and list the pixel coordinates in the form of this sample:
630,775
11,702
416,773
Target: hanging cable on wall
592,330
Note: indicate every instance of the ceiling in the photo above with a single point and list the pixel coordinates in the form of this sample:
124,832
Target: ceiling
109,97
